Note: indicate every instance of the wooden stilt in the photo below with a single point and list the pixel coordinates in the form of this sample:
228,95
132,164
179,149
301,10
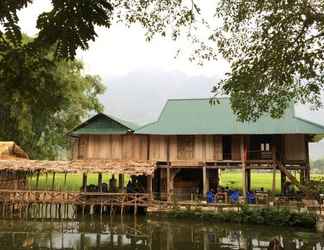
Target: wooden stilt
149,189
100,182
168,183
121,183
307,170
248,179
243,148
84,182
274,181
205,188
302,177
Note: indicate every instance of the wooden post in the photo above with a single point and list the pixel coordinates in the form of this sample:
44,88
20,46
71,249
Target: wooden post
248,179
168,183
149,185
283,181
121,183
274,160
274,181
100,182
302,176
205,188
307,171
53,181
243,160
84,182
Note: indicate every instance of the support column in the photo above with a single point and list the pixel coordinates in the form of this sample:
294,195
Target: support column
274,181
283,181
213,178
168,183
248,179
274,160
84,182
100,182
243,160
149,189
121,183
302,176
205,186
307,171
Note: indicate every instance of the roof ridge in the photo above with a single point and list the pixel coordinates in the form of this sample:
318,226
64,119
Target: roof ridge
196,99
307,121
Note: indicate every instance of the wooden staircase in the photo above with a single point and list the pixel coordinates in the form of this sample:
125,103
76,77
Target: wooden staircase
293,179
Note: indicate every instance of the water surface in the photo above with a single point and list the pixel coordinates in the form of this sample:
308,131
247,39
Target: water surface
148,233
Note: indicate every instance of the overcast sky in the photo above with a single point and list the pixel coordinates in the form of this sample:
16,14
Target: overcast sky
141,76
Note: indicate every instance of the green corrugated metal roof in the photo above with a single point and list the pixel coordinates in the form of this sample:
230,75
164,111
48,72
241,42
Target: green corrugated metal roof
102,124
197,116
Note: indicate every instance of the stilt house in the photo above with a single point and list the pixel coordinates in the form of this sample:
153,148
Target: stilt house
192,141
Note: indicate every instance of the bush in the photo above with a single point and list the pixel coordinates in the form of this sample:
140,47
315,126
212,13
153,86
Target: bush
265,216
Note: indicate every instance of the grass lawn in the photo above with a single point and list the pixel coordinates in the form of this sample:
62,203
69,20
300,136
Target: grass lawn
73,181
230,178
233,179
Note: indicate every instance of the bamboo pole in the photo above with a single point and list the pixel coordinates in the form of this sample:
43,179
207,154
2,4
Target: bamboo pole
53,181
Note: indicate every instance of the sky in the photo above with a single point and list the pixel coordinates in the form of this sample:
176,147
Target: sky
140,76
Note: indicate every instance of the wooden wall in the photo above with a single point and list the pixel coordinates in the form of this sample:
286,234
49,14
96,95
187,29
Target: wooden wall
196,148
155,147
295,147
113,147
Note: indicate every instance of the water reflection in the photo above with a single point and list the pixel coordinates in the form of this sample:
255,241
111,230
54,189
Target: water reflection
143,233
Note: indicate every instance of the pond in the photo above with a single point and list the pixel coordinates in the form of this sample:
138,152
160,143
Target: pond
148,233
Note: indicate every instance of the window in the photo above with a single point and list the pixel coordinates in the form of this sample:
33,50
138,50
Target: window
265,147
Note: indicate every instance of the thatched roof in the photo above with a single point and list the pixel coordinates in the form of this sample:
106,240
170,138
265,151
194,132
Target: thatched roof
10,150
80,166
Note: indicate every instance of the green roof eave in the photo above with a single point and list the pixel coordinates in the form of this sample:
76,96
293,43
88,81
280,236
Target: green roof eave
102,124
196,116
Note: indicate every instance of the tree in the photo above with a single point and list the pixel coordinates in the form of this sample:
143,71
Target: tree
71,23
274,47
42,98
